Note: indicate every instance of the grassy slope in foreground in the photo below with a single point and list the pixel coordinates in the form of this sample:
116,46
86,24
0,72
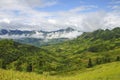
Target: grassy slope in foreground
110,71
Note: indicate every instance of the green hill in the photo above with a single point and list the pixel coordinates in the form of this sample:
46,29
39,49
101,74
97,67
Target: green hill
22,57
110,71
101,46
97,41
88,50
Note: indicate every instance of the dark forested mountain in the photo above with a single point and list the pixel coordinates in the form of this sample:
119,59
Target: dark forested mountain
88,50
17,34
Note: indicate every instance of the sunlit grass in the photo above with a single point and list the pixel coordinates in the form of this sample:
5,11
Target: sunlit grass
110,71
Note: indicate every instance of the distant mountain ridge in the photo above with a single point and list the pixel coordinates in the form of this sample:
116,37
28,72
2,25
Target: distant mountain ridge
62,33
39,37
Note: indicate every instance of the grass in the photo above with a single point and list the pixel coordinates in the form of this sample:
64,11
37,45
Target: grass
110,71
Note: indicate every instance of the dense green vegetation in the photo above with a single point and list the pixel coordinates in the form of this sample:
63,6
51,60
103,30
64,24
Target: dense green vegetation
24,57
102,46
40,42
109,71
86,51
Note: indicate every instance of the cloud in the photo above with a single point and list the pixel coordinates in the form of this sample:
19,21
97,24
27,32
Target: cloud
83,8
114,5
19,4
5,20
115,2
24,10
82,22
22,14
52,21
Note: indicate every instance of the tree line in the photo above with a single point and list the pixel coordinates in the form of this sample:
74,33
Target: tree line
99,61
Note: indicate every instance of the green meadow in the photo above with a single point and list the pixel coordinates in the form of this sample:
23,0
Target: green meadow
110,71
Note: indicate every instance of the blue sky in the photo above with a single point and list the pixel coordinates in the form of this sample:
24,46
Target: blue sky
64,5
85,15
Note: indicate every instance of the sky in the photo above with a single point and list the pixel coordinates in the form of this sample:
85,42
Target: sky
49,15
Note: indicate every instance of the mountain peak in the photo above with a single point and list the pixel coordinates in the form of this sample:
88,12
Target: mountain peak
62,33
69,29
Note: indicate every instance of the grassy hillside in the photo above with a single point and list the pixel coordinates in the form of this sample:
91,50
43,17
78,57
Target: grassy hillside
101,46
88,50
110,71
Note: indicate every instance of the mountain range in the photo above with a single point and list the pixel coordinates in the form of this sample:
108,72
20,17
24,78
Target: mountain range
39,37
62,33
86,51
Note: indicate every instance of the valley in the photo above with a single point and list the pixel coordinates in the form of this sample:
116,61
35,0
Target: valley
87,51
59,39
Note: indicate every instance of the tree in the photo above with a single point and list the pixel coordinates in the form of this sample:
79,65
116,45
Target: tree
29,67
98,61
118,58
90,63
1,63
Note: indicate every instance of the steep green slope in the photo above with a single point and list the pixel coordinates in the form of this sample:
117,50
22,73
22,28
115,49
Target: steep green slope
88,50
101,46
109,71
22,57
97,41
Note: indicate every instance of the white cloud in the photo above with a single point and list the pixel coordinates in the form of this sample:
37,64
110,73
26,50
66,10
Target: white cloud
83,8
82,22
112,20
21,14
40,3
5,20
115,7
115,2
19,4
52,21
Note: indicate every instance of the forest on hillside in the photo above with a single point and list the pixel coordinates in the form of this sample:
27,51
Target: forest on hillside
88,50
